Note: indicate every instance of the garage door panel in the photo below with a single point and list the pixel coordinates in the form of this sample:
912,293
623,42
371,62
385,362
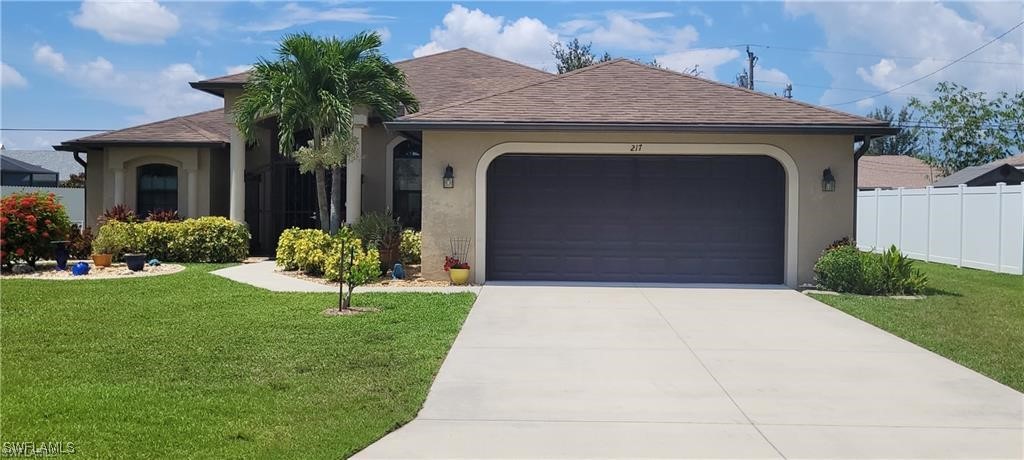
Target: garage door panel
635,218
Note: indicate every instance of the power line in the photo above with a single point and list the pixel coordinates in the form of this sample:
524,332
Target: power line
940,69
808,85
854,53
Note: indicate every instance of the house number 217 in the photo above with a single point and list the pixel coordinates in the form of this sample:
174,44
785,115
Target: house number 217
636,147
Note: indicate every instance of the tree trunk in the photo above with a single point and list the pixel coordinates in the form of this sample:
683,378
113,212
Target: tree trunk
321,197
321,184
336,201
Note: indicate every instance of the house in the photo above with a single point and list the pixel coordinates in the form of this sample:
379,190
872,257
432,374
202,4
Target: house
894,171
616,172
42,171
985,175
15,172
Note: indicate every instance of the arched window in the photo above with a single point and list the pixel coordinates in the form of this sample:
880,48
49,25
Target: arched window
156,189
408,184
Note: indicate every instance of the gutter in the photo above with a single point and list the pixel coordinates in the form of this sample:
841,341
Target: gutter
81,146
415,125
863,149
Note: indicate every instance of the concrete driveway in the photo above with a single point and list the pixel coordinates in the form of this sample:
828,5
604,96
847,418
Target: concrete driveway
614,372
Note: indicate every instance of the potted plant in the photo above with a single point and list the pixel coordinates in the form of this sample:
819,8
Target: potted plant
132,243
382,231
103,250
458,271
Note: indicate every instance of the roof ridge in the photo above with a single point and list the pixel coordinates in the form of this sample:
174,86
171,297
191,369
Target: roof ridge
191,124
771,96
517,88
481,53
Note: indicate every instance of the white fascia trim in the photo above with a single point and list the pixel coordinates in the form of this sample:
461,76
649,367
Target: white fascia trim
618,148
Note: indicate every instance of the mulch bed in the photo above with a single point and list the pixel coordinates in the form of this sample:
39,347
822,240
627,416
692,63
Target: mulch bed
47,270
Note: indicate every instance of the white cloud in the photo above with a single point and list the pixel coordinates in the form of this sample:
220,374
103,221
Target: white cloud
294,14
707,60
627,31
233,69
131,22
11,78
526,40
45,55
708,20
771,75
931,33
156,94
384,32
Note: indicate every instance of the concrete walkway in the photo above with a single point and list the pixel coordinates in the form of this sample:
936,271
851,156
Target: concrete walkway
263,275
660,372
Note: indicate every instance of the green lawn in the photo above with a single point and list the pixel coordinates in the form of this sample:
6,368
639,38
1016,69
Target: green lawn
193,365
973,317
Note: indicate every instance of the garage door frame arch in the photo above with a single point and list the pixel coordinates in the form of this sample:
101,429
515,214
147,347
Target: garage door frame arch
618,148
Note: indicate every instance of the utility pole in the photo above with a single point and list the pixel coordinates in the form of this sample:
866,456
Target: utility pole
788,93
751,59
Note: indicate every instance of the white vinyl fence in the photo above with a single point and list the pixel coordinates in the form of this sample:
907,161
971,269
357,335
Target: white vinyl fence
977,227
73,199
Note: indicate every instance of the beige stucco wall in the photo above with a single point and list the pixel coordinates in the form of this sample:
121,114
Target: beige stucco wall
102,167
822,217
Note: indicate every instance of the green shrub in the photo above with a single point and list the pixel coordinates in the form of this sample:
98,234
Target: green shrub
287,255
317,253
844,268
409,249
841,269
28,223
898,275
205,240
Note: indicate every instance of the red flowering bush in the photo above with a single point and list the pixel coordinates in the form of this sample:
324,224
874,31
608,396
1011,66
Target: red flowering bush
28,223
451,262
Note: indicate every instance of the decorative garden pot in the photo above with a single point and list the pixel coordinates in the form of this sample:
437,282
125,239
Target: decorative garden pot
135,262
60,254
102,260
459,276
388,255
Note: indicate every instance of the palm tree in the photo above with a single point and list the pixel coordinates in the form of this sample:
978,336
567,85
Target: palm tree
370,81
315,84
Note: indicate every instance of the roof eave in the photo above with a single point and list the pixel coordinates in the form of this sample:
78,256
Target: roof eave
419,125
83,146
214,88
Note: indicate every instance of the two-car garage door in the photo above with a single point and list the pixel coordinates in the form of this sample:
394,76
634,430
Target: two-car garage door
677,219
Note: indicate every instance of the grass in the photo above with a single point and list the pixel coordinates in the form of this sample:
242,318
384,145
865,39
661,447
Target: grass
973,317
194,365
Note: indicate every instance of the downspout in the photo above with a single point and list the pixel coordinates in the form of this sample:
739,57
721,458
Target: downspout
85,191
856,167
79,159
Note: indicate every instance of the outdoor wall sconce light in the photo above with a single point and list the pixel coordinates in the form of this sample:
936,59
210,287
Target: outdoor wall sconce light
828,181
449,177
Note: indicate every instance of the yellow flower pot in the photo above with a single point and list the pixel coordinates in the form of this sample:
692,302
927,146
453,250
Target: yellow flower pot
102,260
459,276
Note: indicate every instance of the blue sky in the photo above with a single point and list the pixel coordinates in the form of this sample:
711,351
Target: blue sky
107,65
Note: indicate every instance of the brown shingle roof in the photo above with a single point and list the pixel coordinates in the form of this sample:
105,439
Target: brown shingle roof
203,128
894,171
624,92
438,79
459,75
